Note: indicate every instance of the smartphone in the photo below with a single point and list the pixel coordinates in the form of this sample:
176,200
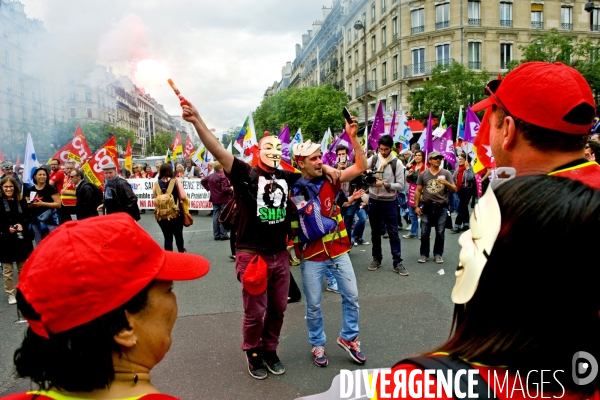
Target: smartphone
347,115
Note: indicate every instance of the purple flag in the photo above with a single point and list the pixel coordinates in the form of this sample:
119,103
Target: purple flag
284,136
428,137
445,145
378,127
392,132
471,126
330,157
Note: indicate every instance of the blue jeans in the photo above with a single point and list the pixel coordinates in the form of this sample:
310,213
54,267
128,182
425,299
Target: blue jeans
359,227
40,232
349,213
312,276
384,212
433,217
414,222
219,232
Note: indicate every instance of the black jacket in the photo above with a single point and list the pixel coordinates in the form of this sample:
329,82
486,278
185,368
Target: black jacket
85,196
121,198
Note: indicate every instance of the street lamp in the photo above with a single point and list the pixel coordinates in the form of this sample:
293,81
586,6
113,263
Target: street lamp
358,25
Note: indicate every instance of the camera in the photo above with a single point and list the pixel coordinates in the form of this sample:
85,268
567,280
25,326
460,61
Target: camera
368,179
19,234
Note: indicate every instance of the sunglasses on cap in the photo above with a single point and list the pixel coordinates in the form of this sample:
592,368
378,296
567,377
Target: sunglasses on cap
490,90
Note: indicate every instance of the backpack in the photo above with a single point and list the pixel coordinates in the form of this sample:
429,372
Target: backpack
314,218
164,203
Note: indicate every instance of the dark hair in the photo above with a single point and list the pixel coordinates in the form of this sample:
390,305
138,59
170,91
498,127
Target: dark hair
79,173
165,171
595,148
35,171
528,312
465,156
16,191
79,359
386,140
341,147
57,160
416,146
422,154
543,139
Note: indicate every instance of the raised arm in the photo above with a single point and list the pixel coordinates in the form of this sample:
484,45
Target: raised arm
360,160
209,140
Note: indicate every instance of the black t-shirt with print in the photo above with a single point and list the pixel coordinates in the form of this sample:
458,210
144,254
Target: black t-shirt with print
262,223
44,195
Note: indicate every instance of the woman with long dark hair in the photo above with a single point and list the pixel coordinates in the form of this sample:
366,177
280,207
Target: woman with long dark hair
526,299
167,183
44,202
15,240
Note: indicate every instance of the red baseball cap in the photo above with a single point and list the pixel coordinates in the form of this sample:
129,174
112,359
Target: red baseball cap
552,96
255,276
85,269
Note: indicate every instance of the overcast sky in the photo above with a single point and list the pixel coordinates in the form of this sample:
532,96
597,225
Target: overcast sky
221,54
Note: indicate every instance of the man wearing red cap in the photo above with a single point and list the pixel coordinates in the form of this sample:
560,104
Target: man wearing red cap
541,115
322,242
262,263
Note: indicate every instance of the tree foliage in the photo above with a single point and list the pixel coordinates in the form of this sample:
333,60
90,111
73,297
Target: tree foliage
313,109
450,88
581,54
160,143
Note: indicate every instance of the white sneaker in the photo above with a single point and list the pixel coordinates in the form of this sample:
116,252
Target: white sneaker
12,299
408,228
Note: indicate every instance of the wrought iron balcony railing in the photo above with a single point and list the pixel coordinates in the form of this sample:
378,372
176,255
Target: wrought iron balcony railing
506,22
441,25
475,21
417,29
425,68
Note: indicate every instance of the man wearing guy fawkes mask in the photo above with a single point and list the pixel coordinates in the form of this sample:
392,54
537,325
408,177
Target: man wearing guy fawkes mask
262,263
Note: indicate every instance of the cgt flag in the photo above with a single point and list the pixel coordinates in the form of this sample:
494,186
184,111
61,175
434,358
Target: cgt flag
79,151
105,154
189,147
62,154
128,157
177,145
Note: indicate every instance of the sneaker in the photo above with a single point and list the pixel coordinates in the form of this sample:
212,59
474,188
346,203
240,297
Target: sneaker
12,299
232,257
273,363
374,265
400,270
362,242
422,259
320,358
409,236
333,286
256,366
408,227
353,348
438,259
386,235
354,244
455,230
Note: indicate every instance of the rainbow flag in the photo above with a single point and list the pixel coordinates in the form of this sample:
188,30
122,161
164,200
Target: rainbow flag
246,138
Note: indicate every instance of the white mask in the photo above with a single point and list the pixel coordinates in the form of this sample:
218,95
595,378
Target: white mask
270,151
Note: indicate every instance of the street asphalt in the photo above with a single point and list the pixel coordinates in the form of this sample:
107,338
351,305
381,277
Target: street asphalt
399,317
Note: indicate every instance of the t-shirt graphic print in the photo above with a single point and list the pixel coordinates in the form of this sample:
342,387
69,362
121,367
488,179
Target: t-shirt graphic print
271,200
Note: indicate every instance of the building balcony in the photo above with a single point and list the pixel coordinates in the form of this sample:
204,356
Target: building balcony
566,26
395,76
474,64
383,81
374,51
417,29
383,45
334,64
442,24
425,68
506,22
475,21
395,37
341,84
537,25
504,64
371,86
595,28
383,9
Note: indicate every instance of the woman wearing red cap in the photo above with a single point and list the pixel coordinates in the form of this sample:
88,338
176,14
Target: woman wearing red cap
97,333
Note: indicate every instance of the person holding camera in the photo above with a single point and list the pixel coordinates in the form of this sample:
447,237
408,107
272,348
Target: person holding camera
15,245
433,186
387,181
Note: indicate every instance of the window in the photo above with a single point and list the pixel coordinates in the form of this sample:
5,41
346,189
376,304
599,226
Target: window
537,16
72,96
88,96
566,18
394,102
73,112
505,14
350,63
22,88
89,112
383,74
384,104
373,13
8,84
475,55
350,91
505,54
383,37
6,57
349,36
474,14
442,16
20,63
418,60
23,113
395,66
442,53
10,110
595,20
373,44
382,6
356,58
417,21
395,27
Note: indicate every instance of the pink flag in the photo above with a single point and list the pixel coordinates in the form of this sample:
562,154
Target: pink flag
445,146
284,136
378,127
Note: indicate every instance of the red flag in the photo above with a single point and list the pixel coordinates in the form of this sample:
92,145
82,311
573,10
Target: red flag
62,155
482,147
177,145
93,167
18,163
79,151
189,147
